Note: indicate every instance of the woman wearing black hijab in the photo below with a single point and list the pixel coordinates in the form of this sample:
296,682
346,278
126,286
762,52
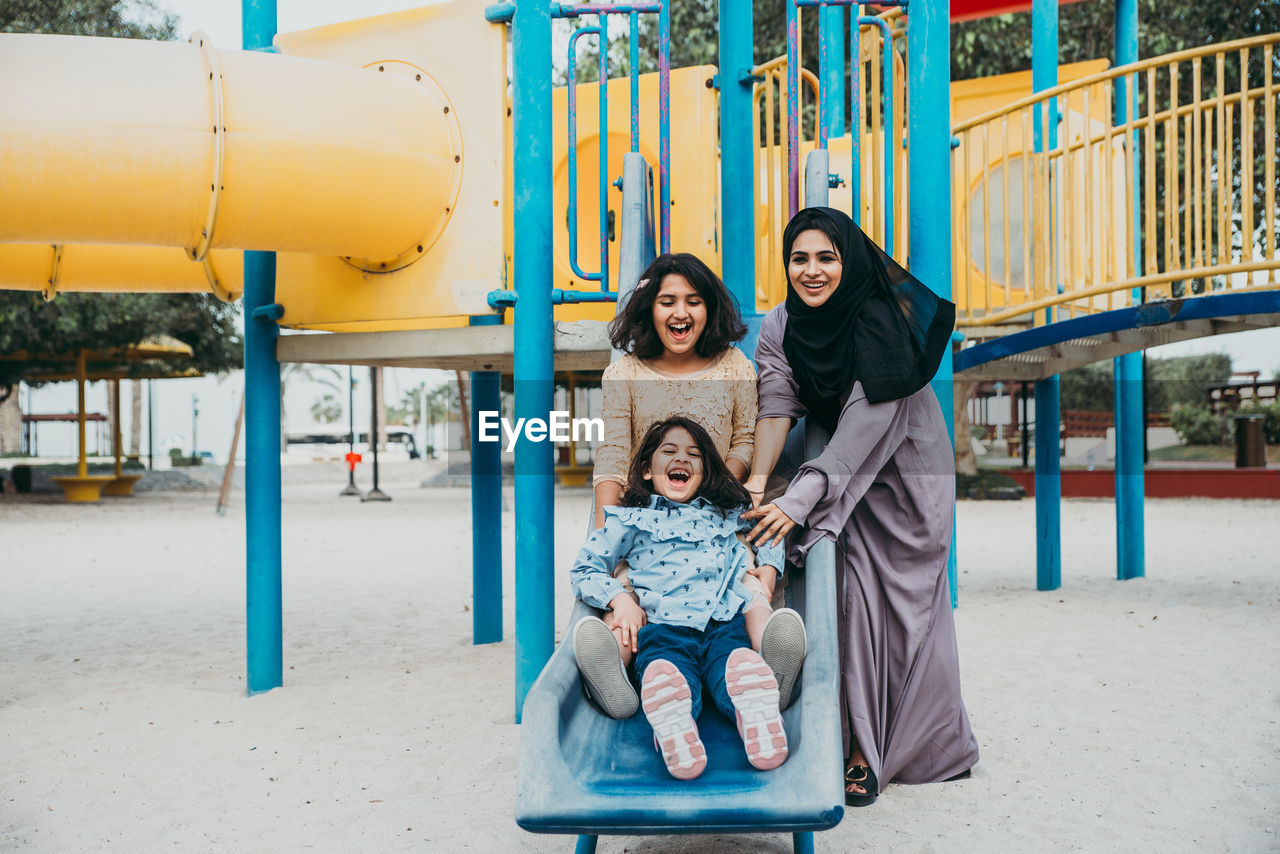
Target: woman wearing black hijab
854,348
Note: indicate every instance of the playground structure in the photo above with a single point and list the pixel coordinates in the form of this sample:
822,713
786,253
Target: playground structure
365,171
142,361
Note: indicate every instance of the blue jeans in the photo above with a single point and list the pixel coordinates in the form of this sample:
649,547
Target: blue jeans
699,655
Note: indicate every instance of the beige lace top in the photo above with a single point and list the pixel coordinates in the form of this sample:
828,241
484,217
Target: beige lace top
720,397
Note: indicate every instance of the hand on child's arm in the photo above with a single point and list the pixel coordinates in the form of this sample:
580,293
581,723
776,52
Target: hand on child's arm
768,577
628,617
773,527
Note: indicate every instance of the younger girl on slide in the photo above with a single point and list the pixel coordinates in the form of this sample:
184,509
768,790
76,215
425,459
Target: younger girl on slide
677,528
677,329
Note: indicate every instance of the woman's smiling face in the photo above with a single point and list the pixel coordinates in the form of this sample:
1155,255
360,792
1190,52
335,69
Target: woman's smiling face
676,466
814,267
679,314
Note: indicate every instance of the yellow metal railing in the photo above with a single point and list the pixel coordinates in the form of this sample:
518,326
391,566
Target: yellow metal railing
880,144
1051,193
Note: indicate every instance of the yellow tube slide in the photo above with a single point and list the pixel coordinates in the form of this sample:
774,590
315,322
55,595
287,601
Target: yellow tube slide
164,144
97,268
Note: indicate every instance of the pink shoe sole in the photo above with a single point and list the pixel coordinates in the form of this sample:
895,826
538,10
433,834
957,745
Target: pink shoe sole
667,703
754,692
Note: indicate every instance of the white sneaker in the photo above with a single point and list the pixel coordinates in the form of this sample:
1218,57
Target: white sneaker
783,645
754,693
603,673
668,705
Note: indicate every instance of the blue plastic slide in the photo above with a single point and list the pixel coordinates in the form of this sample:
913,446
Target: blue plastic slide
584,773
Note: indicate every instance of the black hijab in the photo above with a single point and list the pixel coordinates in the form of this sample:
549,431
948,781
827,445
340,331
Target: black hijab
881,325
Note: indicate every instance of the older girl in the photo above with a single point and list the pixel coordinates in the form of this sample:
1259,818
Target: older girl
677,329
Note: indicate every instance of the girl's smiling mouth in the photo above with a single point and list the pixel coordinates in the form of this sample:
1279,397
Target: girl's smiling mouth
679,330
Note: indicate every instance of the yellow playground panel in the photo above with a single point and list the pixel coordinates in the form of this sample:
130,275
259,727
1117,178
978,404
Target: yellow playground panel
694,175
447,267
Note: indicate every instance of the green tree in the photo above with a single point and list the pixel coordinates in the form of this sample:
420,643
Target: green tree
1088,387
130,19
1001,44
440,401
326,410
1183,380
49,331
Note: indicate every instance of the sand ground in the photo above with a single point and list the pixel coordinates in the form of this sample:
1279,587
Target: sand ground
1112,716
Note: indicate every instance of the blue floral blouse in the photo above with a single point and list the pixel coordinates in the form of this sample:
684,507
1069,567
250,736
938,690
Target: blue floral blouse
686,561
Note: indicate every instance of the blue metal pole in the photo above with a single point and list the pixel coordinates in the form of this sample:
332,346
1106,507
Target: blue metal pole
264,624
486,506
534,489
929,129
793,106
737,158
1044,75
857,110
1127,369
602,137
833,81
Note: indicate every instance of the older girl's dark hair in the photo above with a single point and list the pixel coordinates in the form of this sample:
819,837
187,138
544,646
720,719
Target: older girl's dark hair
718,486
632,329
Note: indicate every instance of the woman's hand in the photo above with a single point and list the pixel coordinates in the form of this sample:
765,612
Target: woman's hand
755,487
774,525
628,617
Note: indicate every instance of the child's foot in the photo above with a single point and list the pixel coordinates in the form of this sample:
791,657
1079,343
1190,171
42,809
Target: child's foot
669,708
783,646
603,673
754,692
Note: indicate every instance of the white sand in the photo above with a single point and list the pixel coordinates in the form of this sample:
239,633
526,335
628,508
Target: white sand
1136,716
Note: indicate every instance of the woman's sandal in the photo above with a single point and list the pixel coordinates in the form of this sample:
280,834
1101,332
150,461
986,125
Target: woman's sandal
963,775
860,775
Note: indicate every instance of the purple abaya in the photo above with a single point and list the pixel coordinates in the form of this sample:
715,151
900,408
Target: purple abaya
884,490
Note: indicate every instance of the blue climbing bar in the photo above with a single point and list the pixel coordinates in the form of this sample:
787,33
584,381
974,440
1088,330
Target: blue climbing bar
1048,477
832,82
486,506
1127,369
737,157
264,625
534,487
929,129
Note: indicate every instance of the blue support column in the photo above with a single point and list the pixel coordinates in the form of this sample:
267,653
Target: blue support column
264,624
1044,75
929,129
534,490
737,158
1048,487
1127,369
486,507
832,82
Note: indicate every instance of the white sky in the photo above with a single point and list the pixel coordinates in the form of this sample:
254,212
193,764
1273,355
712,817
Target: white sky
219,398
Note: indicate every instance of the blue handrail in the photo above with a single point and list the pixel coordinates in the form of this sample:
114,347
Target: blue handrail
602,276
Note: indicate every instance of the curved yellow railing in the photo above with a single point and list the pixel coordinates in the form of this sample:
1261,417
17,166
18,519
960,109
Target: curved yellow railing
1050,189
